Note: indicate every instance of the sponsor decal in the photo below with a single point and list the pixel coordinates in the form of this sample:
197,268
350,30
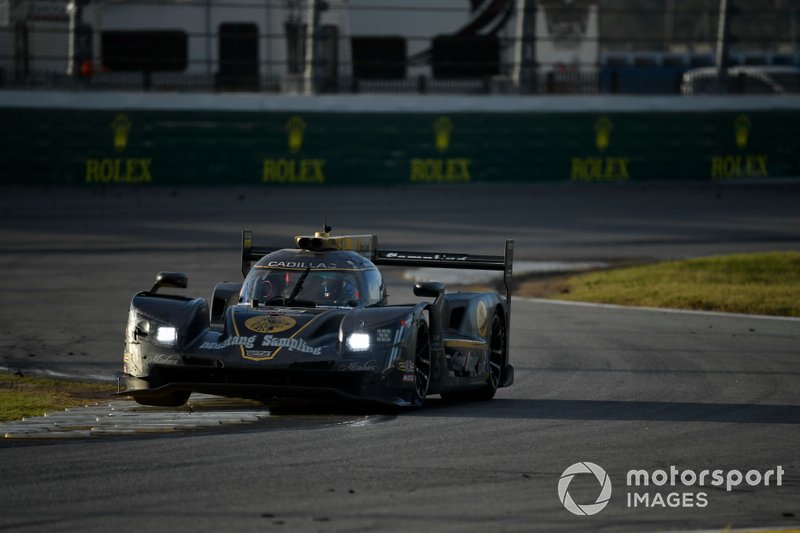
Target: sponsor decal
293,169
740,165
403,365
295,128
246,342
358,366
300,264
601,168
602,129
270,323
116,169
259,355
690,495
409,378
440,170
445,169
294,345
443,128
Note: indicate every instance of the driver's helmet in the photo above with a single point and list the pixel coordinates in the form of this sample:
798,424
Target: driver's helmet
337,290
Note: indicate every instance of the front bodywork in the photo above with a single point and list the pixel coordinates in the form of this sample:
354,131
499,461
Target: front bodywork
275,352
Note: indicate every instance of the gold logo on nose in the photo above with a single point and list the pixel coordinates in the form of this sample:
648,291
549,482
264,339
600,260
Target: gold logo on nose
269,323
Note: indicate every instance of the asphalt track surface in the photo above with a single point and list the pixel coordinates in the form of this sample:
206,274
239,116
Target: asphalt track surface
623,388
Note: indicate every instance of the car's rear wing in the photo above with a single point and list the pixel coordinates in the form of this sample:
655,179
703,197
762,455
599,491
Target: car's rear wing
367,245
503,262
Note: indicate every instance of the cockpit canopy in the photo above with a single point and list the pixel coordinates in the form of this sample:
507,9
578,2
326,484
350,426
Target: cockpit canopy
334,279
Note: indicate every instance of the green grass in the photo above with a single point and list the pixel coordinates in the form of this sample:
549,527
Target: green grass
22,397
757,283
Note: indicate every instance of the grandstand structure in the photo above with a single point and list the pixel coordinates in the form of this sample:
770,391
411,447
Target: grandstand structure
390,46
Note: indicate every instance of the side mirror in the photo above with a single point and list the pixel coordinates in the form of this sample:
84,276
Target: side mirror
177,280
428,289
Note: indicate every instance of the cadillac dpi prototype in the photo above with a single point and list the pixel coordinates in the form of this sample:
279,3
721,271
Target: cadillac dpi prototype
314,322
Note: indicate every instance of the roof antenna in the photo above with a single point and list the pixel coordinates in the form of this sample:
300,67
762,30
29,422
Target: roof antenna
326,229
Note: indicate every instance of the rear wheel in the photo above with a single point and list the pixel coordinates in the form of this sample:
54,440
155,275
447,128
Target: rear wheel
422,364
497,354
173,399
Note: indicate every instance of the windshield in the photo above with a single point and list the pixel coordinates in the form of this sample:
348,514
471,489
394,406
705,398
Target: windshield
323,288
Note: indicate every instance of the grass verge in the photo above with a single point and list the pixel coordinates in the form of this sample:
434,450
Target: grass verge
756,283
22,396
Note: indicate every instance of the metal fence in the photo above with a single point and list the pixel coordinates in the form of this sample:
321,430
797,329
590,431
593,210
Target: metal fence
396,46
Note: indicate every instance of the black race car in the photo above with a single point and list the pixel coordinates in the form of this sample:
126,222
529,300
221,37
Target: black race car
314,322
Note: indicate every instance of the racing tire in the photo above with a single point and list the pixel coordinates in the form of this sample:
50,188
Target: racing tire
497,355
173,399
422,364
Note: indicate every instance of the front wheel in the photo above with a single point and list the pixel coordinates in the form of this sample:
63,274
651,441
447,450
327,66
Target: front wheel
422,364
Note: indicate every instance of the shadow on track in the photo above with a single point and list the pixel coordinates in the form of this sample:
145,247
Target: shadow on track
615,411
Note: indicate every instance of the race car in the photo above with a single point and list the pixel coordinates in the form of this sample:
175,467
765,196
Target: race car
313,322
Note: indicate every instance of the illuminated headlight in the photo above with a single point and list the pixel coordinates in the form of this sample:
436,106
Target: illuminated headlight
167,335
358,342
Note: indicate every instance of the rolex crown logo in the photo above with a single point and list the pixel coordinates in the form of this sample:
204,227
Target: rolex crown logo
442,129
602,130
742,128
121,125
296,126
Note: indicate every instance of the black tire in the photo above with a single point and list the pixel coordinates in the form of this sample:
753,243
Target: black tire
173,399
497,360
422,364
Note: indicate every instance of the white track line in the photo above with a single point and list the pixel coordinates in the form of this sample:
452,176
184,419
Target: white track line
653,309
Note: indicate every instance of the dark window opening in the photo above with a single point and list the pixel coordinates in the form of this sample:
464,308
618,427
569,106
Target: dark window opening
379,58
21,51
157,50
238,56
295,46
465,57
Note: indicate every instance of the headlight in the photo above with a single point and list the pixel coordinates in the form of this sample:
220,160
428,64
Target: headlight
358,342
167,335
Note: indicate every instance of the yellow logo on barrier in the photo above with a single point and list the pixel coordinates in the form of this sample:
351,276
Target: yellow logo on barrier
451,169
295,127
742,128
600,168
119,170
602,129
269,323
443,128
740,165
121,126
291,169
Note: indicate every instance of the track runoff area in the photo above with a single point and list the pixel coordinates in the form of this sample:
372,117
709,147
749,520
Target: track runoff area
623,389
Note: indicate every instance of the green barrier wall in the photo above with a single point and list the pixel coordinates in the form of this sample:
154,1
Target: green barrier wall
41,146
